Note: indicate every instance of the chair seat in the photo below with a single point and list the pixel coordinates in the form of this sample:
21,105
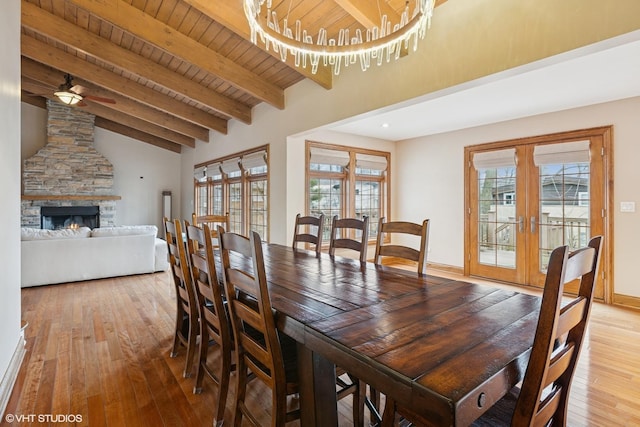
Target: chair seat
289,357
499,415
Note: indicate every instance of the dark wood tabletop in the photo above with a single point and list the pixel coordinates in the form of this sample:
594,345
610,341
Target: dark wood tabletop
446,348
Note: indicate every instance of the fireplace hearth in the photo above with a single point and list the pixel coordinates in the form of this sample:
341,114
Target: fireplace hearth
68,171
57,217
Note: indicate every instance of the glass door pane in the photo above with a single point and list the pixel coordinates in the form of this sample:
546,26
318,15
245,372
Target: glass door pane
564,208
497,220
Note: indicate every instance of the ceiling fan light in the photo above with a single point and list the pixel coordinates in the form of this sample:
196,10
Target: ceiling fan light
68,98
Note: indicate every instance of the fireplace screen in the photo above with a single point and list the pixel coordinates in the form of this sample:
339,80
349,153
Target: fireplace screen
56,217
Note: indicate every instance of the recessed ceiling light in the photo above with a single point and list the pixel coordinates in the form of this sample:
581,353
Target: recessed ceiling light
385,125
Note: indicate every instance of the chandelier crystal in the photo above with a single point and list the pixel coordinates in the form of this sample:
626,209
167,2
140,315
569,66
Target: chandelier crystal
376,44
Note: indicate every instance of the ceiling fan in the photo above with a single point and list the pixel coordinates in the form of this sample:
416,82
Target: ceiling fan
71,94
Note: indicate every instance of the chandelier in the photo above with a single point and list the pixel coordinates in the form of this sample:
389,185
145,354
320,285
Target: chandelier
375,44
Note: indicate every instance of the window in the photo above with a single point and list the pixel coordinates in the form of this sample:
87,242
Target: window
507,198
237,185
583,198
347,182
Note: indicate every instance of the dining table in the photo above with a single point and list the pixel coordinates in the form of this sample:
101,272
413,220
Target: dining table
447,349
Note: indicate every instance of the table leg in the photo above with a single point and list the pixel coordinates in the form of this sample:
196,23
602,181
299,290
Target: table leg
317,389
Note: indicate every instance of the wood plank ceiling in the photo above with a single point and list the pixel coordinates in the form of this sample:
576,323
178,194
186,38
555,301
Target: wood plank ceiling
175,68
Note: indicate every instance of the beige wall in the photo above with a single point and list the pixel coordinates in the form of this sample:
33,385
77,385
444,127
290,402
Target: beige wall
428,162
296,183
11,342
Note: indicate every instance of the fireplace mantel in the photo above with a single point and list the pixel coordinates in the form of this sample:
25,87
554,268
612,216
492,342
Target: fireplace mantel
67,197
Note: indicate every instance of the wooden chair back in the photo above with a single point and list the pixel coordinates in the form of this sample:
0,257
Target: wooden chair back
186,329
559,335
399,228
543,398
213,221
308,229
258,344
344,232
214,322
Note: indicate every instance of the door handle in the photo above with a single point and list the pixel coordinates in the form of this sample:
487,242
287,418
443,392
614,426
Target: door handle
533,224
520,223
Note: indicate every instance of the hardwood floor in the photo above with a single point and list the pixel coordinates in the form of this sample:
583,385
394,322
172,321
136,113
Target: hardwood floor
100,350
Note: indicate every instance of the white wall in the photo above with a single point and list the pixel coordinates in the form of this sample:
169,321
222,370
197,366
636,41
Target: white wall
10,336
140,171
432,179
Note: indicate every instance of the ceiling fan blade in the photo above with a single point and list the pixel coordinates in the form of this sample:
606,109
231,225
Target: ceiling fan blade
46,88
80,90
100,99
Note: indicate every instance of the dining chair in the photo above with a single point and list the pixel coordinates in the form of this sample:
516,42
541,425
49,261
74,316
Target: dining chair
403,229
308,229
215,328
543,396
186,329
395,230
213,221
344,234
260,348
350,233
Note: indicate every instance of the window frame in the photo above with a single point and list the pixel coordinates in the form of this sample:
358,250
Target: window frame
245,179
349,177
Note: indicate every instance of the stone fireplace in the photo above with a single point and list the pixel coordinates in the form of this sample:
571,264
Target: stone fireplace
56,217
68,172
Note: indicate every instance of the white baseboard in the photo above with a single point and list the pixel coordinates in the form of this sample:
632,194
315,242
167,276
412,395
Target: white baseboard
9,379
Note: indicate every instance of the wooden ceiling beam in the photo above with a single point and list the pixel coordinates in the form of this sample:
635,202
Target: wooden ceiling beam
229,13
53,78
48,25
137,135
367,12
172,41
122,118
41,102
43,53
29,98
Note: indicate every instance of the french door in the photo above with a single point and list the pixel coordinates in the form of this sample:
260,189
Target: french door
528,196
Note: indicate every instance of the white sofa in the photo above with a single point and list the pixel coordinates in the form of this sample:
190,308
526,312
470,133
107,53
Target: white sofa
71,255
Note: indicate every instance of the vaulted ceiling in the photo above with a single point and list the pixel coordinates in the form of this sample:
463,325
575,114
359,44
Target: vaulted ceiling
176,69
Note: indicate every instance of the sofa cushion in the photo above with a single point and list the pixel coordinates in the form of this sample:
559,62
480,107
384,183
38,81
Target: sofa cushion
64,233
125,230
45,262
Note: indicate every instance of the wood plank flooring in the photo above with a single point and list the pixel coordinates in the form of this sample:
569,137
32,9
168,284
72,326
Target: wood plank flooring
100,350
